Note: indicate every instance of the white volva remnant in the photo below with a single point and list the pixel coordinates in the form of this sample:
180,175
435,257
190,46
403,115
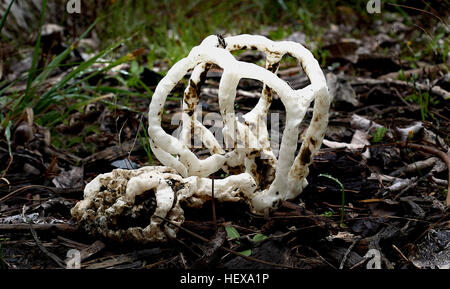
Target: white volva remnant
114,201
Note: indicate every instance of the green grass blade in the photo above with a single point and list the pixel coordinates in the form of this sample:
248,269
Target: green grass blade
145,143
82,67
113,64
35,55
58,59
8,137
47,98
343,196
108,89
2,23
3,90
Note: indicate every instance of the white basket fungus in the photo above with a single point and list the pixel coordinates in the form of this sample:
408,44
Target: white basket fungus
124,204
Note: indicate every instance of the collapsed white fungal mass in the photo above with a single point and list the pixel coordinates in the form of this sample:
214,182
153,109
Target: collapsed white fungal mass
127,204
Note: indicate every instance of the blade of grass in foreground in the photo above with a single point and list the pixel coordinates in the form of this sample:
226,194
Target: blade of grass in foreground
8,140
8,137
58,59
342,195
47,98
35,54
146,143
115,90
2,23
35,83
123,59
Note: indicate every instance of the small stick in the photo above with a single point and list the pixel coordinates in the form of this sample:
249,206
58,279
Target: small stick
46,252
71,244
96,247
419,165
368,81
160,262
38,227
322,258
432,226
439,153
225,248
421,10
427,149
9,164
341,266
429,69
8,196
189,248
400,253
359,263
213,204
183,261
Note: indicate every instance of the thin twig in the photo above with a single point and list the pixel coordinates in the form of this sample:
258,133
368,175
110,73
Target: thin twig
427,149
38,227
439,153
8,196
45,251
134,142
423,29
160,262
189,248
359,263
341,266
7,182
225,248
213,203
421,10
428,69
401,253
9,165
400,96
432,226
322,258
120,132
388,82
183,261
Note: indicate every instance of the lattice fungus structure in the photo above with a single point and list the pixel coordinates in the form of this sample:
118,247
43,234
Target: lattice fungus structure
130,204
